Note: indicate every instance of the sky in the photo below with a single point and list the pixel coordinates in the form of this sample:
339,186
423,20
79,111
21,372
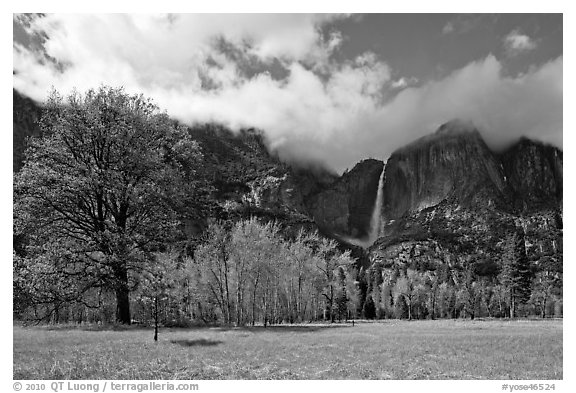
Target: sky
324,88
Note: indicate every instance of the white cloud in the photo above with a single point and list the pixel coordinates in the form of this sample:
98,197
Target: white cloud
448,28
403,83
142,51
516,43
337,113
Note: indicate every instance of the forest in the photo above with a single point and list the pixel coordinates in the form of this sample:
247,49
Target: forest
100,208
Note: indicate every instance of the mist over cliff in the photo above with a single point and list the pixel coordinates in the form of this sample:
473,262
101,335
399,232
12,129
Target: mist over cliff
451,173
287,76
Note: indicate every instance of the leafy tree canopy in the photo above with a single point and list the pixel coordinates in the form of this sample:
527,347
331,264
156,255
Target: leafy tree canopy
108,183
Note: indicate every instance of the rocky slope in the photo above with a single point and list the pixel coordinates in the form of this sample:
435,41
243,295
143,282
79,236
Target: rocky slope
447,197
345,207
26,114
534,172
452,163
247,180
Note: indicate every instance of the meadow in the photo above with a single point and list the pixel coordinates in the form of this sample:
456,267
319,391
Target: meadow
394,349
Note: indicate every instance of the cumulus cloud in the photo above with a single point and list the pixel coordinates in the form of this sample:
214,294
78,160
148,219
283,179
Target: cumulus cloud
321,110
516,43
448,28
403,82
466,23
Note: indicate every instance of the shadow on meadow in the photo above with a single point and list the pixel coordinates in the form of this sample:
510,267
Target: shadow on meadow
202,342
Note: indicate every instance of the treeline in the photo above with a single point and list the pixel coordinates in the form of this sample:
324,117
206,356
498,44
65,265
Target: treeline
99,207
242,273
249,272
509,286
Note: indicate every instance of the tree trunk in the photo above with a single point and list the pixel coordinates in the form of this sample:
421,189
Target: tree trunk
123,304
331,300
488,309
239,305
56,318
299,299
265,306
254,303
122,294
512,307
228,307
156,318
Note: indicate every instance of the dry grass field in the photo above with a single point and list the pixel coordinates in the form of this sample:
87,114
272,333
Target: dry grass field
445,349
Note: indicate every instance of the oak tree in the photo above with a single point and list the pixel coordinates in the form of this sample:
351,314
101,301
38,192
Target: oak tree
108,183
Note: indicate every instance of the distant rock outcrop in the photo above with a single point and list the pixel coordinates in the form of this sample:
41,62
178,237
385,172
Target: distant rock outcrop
25,117
445,197
448,197
453,163
345,207
534,172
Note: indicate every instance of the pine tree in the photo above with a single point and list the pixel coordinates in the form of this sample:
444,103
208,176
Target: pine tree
515,272
369,309
341,294
352,293
400,308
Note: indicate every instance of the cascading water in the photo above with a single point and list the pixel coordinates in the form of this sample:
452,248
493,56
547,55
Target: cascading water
377,213
374,229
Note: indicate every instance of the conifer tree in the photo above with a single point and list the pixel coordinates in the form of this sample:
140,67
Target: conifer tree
515,272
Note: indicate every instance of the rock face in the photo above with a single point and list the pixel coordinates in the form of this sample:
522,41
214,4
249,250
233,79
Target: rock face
534,172
447,197
26,114
345,207
248,180
453,163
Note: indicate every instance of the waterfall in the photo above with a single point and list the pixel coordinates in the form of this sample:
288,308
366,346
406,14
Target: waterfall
374,228
377,213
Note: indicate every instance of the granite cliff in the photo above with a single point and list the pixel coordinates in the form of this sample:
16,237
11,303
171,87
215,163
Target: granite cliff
449,199
444,197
